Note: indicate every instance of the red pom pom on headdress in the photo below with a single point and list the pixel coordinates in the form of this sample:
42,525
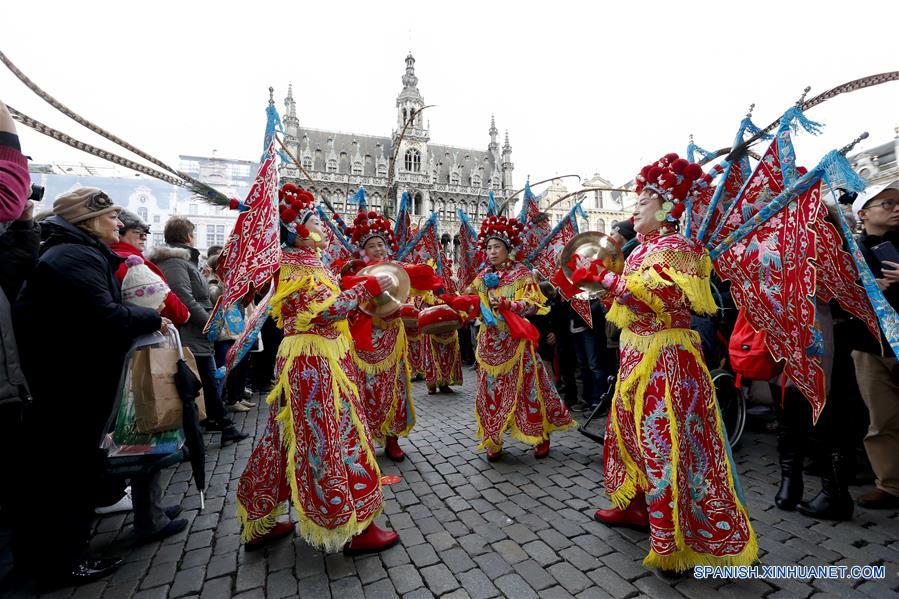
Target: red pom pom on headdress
294,204
507,230
369,225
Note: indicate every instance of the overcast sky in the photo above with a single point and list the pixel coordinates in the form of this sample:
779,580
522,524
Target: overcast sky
582,87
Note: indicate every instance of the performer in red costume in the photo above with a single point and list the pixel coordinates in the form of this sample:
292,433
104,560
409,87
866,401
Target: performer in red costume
316,450
667,461
387,391
514,390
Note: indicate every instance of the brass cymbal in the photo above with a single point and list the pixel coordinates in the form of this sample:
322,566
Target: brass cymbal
592,245
387,303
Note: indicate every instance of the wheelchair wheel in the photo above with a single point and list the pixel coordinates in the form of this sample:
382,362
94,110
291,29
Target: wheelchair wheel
731,403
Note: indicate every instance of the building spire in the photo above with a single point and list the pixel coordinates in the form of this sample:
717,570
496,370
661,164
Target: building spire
507,149
410,81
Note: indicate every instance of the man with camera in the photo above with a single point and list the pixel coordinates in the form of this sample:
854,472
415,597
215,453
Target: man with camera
19,242
878,371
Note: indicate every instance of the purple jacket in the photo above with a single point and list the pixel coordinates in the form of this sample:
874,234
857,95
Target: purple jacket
15,182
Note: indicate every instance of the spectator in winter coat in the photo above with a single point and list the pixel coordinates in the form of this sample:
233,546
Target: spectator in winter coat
74,334
19,241
132,242
179,262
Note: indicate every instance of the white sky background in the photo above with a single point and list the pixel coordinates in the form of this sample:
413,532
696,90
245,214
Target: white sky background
582,87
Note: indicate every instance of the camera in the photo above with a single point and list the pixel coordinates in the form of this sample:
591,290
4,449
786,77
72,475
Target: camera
37,193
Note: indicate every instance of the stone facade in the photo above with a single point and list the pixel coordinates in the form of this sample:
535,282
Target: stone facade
603,208
439,178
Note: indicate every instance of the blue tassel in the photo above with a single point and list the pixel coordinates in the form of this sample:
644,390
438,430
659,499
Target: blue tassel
693,149
359,199
529,198
491,204
752,129
841,172
795,118
400,231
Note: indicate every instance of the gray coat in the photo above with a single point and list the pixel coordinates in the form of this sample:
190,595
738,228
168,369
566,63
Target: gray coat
180,265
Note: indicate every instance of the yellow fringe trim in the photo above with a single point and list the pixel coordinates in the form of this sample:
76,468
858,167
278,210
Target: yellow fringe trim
391,413
684,557
327,539
400,349
308,344
255,529
689,273
510,425
505,367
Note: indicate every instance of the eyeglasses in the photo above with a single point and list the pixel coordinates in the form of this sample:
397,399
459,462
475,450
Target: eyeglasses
886,204
98,201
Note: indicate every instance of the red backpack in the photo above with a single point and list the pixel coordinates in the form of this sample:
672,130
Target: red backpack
749,355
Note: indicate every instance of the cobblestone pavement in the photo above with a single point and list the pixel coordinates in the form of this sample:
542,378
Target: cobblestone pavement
519,528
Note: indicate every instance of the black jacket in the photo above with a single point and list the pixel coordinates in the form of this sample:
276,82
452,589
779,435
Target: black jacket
864,340
19,242
74,333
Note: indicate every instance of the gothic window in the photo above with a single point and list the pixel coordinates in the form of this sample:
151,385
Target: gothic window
307,163
476,180
142,213
598,197
413,161
451,213
441,210
376,202
382,170
483,211
454,178
405,116
332,166
357,168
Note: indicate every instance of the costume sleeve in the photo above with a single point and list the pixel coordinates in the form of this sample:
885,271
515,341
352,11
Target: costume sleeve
346,302
528,300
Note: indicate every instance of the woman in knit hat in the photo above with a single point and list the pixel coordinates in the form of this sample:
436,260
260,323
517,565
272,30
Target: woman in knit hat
74,332
132,242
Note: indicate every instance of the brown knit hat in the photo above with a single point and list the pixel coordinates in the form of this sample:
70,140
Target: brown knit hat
83,203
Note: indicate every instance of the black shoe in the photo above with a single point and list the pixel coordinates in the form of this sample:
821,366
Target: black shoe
90,570
232,435
212,425
834,501
172,512
790,493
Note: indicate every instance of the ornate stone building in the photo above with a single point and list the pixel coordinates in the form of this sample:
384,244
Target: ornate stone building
603,208
439,178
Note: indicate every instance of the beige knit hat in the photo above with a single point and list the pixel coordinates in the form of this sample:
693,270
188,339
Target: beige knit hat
141,286
83,203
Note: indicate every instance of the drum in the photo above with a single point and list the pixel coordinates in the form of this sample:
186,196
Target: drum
439,319
409,314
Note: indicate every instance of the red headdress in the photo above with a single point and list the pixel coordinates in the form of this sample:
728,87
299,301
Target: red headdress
507,230
675,180
367,225
295,206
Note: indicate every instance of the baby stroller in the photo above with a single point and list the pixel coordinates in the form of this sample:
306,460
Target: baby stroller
714,332
131,453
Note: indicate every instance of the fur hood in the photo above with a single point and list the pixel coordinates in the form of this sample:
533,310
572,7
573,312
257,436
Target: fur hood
166,252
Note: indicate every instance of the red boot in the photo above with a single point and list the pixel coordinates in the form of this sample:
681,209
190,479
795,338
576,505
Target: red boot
494,456
281,530
541,450
635,516
393,450
371,540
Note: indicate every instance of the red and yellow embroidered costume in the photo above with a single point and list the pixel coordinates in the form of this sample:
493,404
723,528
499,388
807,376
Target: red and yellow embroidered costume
514,390
315,450
387,388
665,444
387,392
